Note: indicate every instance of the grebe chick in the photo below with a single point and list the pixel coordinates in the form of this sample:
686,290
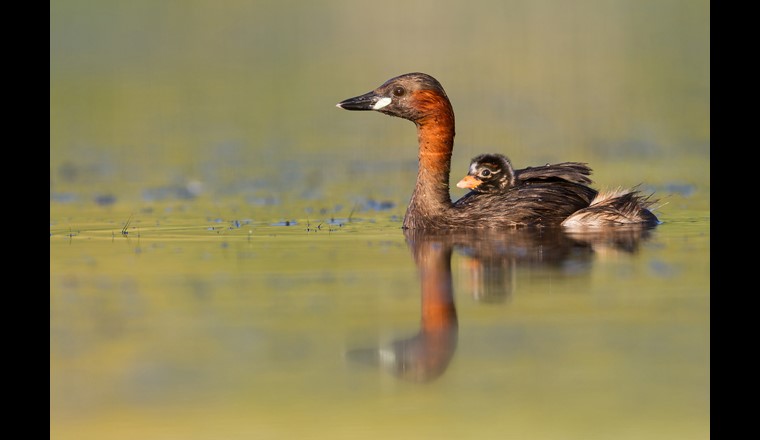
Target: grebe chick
420,98
490,173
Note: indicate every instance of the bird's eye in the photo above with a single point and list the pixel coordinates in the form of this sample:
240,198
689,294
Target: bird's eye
399,91
485,173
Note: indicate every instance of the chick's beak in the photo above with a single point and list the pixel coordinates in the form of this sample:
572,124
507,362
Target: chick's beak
468,182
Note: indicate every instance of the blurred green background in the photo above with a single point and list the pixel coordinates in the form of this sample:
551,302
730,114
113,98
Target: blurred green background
237,97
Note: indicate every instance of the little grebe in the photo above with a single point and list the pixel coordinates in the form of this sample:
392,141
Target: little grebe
420,98
491,173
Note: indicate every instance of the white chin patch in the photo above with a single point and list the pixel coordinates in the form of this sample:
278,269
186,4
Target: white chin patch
382,102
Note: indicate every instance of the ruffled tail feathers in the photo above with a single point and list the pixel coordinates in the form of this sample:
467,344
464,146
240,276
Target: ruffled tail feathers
614,208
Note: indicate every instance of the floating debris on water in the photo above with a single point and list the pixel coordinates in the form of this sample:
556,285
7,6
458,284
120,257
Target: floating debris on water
379,205
105,199
186,191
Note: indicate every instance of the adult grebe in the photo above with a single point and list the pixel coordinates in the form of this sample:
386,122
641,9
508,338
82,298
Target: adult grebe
420,98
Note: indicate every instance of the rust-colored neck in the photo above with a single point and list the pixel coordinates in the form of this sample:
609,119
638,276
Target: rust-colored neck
435,136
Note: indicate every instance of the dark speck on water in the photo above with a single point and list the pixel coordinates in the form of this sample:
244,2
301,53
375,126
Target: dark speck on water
285,223
179,192
662,269
105,199
379,205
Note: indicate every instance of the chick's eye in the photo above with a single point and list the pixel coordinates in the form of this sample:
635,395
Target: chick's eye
398,91
485,173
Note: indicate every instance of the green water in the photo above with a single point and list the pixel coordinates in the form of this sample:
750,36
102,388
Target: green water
226,258
179,331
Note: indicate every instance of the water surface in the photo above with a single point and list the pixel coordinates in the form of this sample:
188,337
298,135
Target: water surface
199,330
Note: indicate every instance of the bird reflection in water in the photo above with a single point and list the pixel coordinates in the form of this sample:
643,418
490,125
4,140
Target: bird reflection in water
492,258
